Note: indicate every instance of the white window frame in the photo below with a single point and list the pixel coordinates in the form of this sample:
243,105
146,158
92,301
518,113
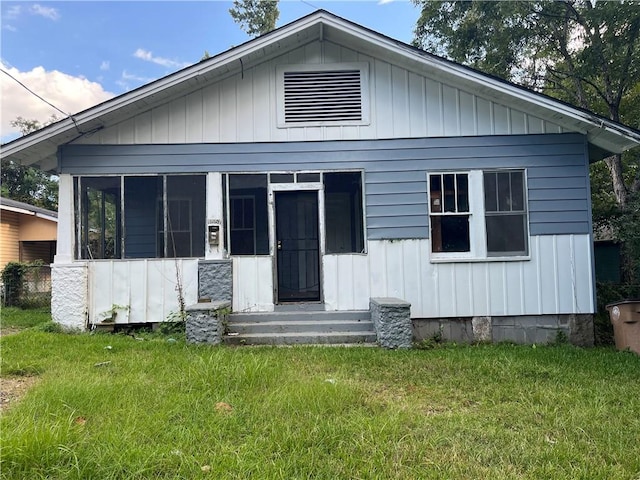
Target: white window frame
363,67
477,225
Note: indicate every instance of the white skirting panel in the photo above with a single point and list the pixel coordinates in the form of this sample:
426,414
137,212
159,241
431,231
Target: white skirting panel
556,280
140,291
346,282
252,284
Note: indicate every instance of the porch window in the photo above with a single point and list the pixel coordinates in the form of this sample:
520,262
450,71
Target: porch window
343,212
156,216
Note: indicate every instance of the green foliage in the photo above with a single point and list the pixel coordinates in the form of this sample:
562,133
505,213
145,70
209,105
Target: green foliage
49,327
149,409
13,281
256,17
28,184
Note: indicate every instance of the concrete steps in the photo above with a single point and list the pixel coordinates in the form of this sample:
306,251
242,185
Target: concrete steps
300,326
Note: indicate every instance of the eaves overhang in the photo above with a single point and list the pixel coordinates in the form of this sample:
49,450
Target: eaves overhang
41,147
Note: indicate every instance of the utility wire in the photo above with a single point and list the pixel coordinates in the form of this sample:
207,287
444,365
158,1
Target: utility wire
33,93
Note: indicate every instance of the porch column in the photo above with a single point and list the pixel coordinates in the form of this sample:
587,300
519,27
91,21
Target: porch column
214,217
66,226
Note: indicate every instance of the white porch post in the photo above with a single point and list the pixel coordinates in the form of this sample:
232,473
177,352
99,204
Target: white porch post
214,216
66,226
69,279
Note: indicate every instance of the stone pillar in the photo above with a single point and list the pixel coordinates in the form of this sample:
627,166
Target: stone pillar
70,295
215,280
392,320
206,322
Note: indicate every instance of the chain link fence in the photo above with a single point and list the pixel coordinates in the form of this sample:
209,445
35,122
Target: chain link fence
31,289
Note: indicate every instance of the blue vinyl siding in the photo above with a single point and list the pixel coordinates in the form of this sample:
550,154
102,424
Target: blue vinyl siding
395,171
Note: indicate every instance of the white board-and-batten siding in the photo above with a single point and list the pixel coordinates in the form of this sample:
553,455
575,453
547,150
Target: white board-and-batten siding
556,280
242,108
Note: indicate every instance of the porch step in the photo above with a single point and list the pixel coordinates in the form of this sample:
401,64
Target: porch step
300,327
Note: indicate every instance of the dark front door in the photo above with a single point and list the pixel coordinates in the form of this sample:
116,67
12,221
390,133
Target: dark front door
297,247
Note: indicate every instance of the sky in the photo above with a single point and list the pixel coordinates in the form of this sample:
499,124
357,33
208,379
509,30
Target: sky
76,54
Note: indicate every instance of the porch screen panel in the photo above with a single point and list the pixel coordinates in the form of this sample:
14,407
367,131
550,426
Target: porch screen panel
99,222
248,221
143,201
185,215
343,212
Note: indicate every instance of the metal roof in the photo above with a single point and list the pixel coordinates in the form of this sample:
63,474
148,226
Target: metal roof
40,147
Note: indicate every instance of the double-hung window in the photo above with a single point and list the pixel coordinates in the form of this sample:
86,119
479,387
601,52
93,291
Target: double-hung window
478,214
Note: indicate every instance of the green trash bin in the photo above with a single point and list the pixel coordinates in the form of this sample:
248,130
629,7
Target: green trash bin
625,317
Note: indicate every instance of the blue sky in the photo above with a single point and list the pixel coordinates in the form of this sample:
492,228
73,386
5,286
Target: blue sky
79,53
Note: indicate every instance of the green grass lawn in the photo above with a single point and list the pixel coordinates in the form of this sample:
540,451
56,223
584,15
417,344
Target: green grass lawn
111,406
17,318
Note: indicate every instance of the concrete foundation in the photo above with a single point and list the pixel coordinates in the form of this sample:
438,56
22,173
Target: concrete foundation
529,329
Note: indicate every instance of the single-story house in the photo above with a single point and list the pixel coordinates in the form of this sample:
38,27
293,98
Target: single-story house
317,167
27,233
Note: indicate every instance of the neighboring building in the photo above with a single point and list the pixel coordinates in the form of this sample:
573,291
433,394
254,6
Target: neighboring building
325,163
27,233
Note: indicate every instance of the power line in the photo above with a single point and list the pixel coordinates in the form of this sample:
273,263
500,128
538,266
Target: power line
33,93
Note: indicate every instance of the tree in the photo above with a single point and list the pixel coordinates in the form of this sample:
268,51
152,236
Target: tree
256,17
28,184
582,51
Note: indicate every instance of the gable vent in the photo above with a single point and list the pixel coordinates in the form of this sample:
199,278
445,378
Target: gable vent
322,96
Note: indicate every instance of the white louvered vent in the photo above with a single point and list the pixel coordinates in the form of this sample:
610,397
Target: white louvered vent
323,96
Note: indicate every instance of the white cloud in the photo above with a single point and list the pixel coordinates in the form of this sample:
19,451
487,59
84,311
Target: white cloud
105,65
70,94
11,28
384,2
13,12
128,80
147,56
47,12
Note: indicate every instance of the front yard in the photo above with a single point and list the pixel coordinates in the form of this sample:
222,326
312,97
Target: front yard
117,406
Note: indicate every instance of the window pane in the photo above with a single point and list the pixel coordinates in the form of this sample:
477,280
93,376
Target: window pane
506,234
249,229
100,221
490,192
435,193
308,177
463,192
281,178
504,191
517,191
343,212
449,193
450,233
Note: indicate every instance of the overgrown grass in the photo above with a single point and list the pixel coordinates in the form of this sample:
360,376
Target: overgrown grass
113,407
13,317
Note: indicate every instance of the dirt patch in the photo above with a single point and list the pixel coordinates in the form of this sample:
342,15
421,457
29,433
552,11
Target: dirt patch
12,390
4,331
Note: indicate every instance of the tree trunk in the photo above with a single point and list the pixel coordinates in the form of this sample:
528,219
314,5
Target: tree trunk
614,163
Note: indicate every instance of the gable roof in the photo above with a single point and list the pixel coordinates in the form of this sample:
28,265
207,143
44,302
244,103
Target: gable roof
26,209
40,147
